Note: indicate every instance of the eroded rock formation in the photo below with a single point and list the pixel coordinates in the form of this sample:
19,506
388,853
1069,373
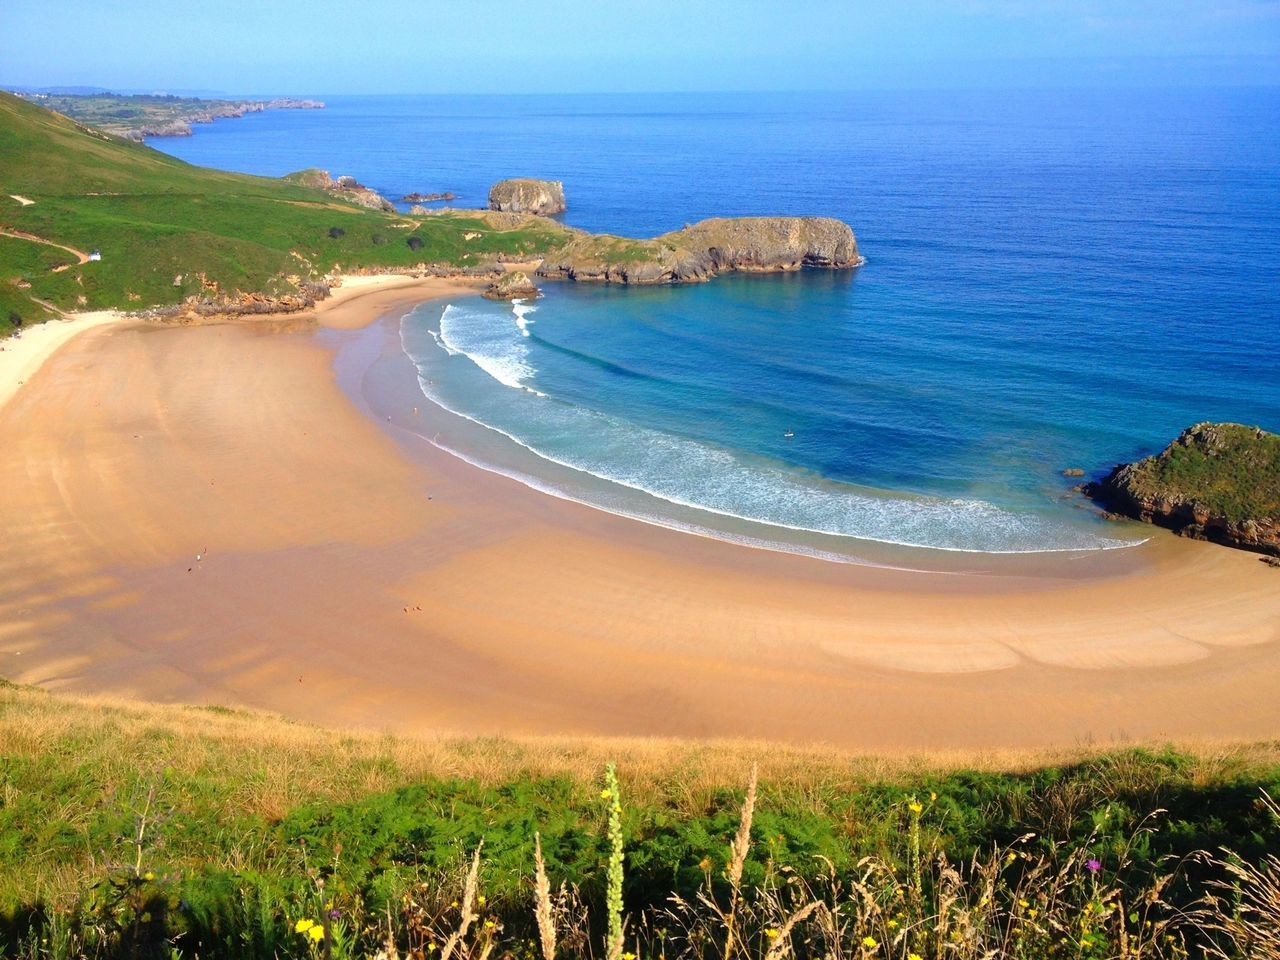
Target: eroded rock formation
523,195
1216,481
515,285
700,251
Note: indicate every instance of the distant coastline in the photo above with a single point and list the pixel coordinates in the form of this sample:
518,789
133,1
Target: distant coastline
138,116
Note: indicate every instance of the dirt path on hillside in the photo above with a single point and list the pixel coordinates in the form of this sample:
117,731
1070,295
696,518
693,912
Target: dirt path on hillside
22,235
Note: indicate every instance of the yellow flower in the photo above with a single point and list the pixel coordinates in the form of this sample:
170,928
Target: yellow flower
628,956
914,806
914,956
932,796
302,926
316,933
771,933
148,875
870,942
605,794
892,924
1023,904
480,899
488,924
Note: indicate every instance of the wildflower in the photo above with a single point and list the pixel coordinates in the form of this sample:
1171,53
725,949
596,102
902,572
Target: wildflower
605,794
870,942
480,899
771,933
302,926
148,876
915,806
1093,864
932,796
1023,904
489,924
628,956
335,914
892,924
914,956
316,933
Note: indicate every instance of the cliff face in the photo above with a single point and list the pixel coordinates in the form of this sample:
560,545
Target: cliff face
522,195
700,251
1217,481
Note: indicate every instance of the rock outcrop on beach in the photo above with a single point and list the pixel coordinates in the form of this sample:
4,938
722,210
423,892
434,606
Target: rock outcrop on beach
700,251
515,285
345,188
428,197
1216,481
523,195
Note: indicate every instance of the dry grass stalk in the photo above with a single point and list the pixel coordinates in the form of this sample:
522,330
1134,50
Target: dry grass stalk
739,849
542,910
781,945
468,914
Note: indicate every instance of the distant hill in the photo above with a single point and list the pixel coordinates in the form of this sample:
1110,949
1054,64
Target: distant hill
167,230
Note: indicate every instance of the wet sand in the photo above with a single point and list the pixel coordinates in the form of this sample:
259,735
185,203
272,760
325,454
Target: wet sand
350,573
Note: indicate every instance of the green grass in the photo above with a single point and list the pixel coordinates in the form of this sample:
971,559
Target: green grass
245,812
160,223
1237,477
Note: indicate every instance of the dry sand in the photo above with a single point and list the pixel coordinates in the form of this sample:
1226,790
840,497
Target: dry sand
351,574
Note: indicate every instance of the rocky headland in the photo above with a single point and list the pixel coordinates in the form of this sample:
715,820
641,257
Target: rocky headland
524,195
705,249
1216,481
138,116
345,188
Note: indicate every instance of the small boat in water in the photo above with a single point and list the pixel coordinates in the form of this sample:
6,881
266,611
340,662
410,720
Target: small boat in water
789,434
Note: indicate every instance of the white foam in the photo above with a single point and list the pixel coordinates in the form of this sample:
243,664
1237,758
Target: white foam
522,309
713,480
488,344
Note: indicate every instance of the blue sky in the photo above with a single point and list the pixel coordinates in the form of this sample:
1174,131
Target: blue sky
487,46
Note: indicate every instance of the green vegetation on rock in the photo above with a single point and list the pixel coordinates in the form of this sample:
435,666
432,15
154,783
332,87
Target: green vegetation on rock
1216,481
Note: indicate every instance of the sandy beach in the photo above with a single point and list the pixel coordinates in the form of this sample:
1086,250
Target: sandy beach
224,514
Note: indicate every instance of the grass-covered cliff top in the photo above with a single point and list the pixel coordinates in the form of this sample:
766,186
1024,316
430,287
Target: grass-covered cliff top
1232,470
128,830
167,230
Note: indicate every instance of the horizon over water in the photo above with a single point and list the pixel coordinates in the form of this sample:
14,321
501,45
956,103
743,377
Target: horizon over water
1053,280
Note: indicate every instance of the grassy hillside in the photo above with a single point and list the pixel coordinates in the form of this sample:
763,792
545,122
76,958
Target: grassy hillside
130,830
167,230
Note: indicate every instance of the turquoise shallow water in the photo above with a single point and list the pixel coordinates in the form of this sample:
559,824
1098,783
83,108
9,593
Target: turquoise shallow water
1053,280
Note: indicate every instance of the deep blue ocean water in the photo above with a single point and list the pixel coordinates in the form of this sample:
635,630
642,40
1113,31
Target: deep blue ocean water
1053,280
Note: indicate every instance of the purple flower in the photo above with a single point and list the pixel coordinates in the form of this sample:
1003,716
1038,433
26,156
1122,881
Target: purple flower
335,914
1093,864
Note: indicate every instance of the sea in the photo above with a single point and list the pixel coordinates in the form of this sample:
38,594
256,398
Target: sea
1054,281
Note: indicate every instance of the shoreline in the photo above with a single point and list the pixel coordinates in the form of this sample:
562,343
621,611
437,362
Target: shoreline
238,531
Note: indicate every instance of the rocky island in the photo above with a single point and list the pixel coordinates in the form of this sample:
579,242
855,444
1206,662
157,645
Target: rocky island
1216,481
515,285
707,248
525,195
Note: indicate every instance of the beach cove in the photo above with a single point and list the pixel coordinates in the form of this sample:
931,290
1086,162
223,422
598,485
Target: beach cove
351,573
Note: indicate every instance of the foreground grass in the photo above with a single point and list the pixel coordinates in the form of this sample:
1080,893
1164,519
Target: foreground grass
133,830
